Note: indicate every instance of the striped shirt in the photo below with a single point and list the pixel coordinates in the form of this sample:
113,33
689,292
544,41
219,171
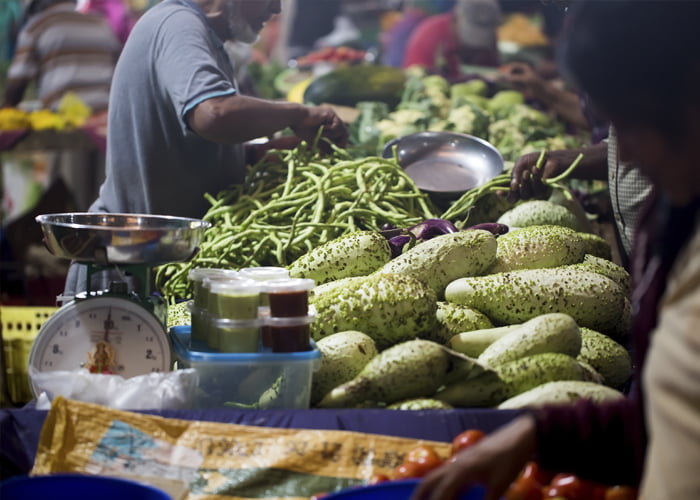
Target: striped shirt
66,51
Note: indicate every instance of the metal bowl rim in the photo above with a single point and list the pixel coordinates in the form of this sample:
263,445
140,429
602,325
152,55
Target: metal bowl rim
386,150
46,219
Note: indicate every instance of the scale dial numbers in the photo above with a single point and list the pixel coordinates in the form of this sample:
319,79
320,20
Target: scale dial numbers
104,334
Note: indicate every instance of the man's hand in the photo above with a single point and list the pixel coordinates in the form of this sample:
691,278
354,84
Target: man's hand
494,462
334,128
526,180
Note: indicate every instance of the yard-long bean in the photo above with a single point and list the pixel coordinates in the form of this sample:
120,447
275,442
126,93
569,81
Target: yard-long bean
293,201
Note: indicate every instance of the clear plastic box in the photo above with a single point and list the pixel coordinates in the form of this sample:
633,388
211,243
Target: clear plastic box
259,380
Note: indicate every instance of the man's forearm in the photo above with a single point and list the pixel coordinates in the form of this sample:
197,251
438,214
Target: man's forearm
238,118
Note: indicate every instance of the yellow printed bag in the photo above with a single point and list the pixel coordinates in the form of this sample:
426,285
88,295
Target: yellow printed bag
214,460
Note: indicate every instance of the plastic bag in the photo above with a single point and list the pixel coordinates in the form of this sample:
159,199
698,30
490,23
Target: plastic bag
154,391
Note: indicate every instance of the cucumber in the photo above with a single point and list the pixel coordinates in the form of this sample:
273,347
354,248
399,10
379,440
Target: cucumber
409,370
527,373
596,245
539,246
446,257
606,356
608,268
453,319
593,300
390,308
539,212
343,356
420,404
493,387
354,254
547,333
487,389
473,343
561,392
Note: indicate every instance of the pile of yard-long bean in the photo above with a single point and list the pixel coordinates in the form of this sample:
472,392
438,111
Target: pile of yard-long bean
285,208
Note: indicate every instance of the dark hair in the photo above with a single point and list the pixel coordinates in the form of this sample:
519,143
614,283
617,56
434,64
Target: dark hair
36,6
638,60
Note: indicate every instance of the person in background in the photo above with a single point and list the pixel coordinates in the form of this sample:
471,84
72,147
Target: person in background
62,51
304,22
116,12
565,103
651,437
178,127
394,39
466,35
10,20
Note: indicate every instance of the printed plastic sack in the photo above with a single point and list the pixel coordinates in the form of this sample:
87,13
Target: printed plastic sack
214,460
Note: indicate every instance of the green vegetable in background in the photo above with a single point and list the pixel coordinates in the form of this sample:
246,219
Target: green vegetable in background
472,87
502,101
349,85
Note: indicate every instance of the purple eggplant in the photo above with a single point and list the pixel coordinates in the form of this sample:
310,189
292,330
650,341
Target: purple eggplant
397,244
495,228
430,228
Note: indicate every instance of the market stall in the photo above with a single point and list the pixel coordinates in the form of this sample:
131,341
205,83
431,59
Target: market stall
469,306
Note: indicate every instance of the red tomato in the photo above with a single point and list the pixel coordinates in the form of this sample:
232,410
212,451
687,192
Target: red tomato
552,492
425,457
466,439
378,478
524,488
423,454
407,470
621,493
570,487
534,471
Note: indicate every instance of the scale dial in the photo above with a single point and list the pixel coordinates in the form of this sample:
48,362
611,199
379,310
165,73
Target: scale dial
104,334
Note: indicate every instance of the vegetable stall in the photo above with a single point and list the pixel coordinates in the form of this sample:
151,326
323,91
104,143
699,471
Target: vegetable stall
438,317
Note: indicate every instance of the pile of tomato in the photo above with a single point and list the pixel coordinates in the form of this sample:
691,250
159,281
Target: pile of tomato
332,55
533,483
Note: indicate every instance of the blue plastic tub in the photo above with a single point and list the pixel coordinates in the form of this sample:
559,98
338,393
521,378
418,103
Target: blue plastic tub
393,490
74,486
255,380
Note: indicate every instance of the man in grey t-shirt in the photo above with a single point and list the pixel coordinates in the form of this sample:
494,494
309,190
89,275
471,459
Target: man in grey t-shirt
177,124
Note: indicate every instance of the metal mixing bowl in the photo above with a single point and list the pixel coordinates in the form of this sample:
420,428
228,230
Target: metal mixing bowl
122,238
446,163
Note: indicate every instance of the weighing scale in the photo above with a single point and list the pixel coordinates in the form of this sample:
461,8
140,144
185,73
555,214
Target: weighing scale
120,329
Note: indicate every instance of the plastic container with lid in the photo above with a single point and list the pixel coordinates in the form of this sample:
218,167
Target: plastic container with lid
235,335
290,334
247,380
289,297
262,274
200,296
232,299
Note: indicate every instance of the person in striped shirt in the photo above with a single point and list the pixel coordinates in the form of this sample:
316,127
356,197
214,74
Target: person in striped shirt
61,50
